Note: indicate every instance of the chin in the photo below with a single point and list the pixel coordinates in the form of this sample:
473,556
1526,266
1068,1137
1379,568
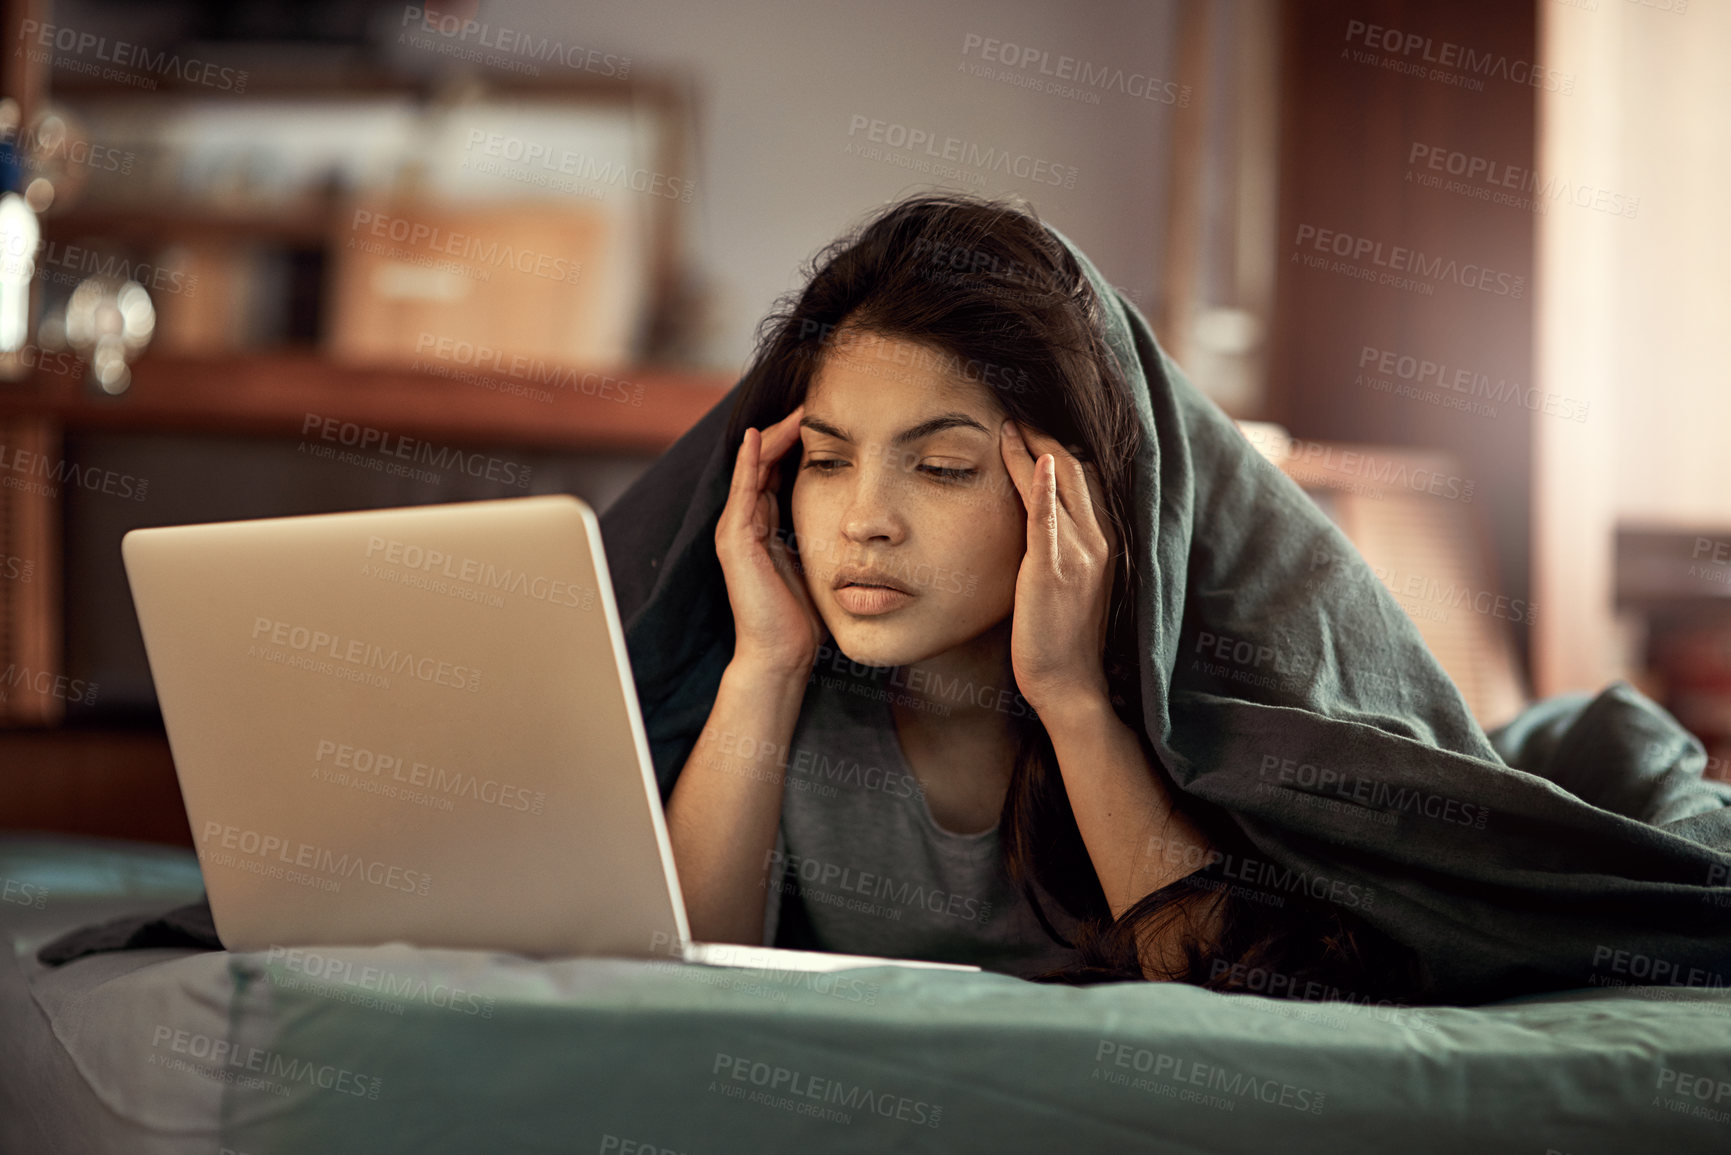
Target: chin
880,651
879,643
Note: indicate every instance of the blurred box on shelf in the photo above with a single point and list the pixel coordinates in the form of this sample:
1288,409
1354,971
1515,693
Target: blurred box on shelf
229,296
512,287
382,226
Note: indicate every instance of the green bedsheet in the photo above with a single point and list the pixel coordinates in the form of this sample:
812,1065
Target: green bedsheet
401,1049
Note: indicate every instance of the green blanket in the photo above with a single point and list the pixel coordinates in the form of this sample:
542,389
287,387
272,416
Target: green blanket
1578,846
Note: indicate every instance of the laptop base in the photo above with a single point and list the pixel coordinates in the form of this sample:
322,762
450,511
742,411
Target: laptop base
733,954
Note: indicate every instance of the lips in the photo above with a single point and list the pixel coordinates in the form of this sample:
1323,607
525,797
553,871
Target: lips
855,576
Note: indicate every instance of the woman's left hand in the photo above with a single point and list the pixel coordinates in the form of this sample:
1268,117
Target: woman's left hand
1064,588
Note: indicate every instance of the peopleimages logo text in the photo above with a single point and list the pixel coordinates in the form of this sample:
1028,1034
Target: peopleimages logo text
310,857
1400,259
1447,54
1141,85
363,653
476,572
516,42
957,151
370,439
135,56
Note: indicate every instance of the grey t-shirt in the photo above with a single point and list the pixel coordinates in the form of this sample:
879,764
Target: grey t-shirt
860,865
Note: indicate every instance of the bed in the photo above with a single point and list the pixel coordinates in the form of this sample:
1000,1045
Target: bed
394,1048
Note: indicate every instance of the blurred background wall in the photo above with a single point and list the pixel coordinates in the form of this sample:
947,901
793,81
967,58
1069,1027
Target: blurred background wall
1631,507
780,88
1454,267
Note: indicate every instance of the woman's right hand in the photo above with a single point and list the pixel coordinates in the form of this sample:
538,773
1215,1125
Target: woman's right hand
776,626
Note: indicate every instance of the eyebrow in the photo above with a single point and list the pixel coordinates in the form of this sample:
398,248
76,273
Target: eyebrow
924,429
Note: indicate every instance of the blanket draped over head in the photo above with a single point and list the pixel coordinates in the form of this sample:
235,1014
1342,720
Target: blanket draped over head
1577,845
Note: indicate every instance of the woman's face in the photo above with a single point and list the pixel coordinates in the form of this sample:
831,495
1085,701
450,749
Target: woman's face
902,481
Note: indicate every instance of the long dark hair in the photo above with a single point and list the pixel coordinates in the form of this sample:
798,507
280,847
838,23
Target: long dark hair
995,296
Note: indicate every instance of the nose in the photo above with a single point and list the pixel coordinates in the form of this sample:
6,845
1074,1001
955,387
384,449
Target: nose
873,509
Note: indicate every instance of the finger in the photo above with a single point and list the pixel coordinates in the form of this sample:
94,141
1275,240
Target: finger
1075,478
1072,482
784,432
1043,520
741,493
1031,472
776,441
1097,494
1034,478
1036,445
1018,460
771,539
746,526
784,548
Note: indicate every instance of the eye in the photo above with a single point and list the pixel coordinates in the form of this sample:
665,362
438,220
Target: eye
941,472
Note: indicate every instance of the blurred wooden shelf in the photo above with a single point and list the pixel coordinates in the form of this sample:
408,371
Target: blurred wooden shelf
340,71
277,394
307,224
110,783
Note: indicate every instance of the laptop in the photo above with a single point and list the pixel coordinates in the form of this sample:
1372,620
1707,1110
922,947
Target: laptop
417,725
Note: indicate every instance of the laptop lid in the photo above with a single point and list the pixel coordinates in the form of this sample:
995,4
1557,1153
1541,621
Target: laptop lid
410,725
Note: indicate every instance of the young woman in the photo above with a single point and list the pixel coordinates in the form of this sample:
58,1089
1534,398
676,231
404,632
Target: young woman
938,414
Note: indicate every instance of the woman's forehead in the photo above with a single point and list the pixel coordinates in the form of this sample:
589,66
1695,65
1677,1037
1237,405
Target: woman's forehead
879,378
